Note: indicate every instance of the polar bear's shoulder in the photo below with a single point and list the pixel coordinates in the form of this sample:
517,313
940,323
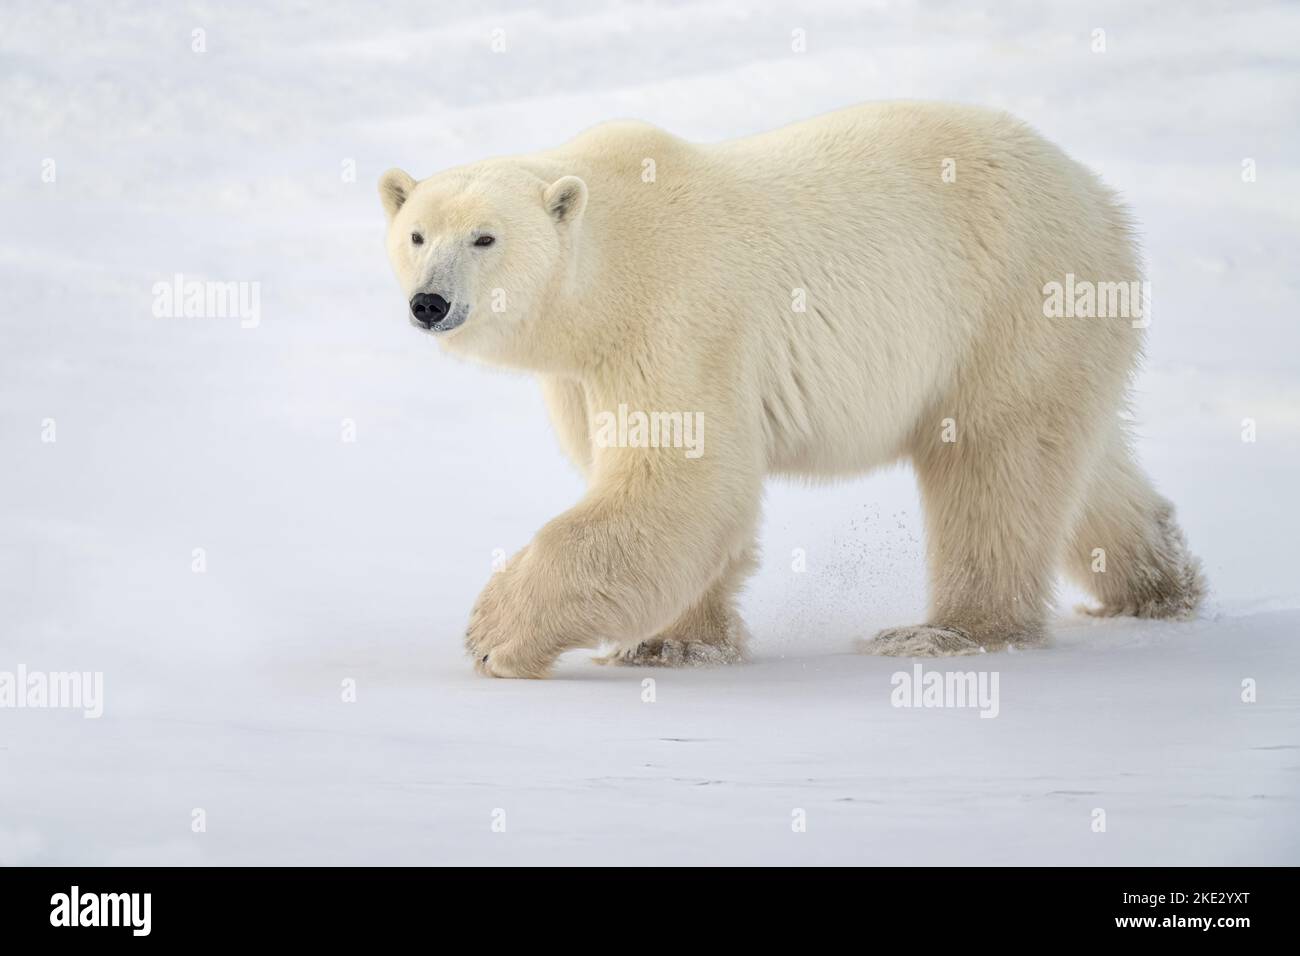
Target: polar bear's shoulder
625,140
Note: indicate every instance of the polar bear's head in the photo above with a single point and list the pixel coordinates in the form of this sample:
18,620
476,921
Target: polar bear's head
477,250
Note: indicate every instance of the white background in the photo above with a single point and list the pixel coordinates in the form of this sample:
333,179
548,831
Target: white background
329,560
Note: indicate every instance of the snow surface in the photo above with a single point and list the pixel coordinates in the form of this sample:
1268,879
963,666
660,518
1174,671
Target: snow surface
329,560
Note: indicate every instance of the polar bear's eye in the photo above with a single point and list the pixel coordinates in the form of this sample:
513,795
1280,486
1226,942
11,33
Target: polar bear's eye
417,239
484,241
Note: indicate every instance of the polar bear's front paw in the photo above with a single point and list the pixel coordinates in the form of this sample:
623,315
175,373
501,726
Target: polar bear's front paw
671,652
921,640
709,635
500,638
497,655
504,661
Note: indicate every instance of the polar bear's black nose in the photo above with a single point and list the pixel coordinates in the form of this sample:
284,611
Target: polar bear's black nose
428,309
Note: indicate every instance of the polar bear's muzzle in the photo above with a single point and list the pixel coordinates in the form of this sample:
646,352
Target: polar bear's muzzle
430,312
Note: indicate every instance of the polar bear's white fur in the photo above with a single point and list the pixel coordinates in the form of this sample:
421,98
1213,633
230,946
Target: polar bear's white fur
830,297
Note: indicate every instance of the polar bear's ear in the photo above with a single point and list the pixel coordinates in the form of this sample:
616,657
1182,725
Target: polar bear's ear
566,198
394,186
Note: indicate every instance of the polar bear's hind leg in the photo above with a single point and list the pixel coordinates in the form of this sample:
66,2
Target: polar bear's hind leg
998,504
1127,550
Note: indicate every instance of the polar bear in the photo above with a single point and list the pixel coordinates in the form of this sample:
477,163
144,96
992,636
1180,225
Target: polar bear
875,284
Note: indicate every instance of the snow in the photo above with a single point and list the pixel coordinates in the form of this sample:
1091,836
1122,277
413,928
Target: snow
330,561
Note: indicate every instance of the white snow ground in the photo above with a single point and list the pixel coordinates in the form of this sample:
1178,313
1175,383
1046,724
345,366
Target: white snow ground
329,561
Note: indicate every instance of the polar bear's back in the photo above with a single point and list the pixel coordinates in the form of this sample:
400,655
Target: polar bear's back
960,190
918,239
860,263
